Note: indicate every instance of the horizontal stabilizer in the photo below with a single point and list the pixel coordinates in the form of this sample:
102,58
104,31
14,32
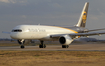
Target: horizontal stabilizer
96,29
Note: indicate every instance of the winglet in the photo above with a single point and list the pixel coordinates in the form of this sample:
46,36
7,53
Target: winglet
83,17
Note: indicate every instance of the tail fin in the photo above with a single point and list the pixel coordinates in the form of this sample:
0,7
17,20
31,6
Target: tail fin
83,17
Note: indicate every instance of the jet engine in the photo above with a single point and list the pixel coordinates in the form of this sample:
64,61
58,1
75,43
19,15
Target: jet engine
65,40
24,41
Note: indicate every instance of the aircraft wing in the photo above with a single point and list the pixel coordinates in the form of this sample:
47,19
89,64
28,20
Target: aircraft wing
6,32
87,34
78,34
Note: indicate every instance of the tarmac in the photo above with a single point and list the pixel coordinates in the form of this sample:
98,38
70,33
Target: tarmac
72,47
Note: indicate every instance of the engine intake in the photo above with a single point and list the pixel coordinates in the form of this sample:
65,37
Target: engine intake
65,40
62,40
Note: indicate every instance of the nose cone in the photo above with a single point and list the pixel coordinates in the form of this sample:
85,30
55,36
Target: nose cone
17,35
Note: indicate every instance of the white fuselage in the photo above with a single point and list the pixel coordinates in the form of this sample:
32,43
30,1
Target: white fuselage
39,32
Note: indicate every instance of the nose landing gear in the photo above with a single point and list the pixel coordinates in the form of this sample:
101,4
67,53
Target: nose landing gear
21,42
22,47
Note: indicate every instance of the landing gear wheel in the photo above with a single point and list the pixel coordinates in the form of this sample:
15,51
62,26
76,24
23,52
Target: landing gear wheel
42,46
22,47
65,46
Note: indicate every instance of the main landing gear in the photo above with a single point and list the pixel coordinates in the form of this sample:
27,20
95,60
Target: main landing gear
42,45
65,46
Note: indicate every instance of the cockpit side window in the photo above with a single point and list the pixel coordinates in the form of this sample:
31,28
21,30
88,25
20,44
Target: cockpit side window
17,30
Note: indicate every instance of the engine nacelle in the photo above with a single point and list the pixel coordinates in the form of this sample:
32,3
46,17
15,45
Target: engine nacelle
65,40
24,41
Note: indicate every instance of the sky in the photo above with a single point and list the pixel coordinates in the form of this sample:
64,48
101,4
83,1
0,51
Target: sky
50,12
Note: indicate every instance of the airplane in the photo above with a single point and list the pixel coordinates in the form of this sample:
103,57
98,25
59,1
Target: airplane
65,35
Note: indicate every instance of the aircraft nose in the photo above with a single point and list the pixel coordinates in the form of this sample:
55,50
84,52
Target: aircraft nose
13,35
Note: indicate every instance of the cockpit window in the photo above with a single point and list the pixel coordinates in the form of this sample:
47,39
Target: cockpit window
17,30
